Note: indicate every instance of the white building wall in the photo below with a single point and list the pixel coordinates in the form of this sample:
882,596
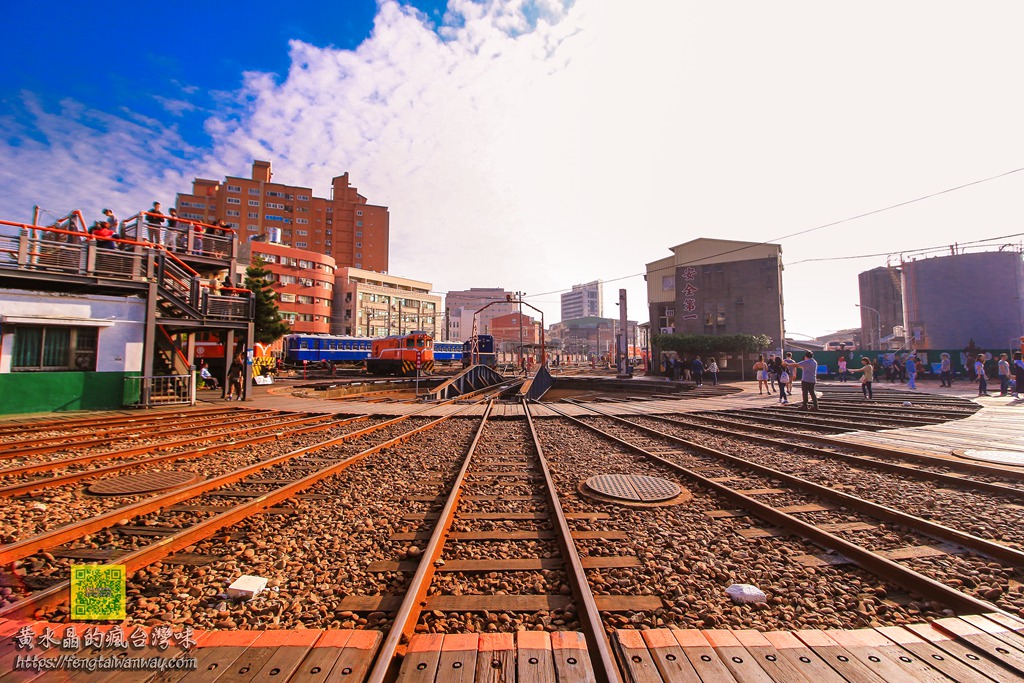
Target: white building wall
121,323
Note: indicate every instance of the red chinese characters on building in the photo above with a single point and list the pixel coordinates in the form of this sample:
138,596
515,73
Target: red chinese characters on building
689,303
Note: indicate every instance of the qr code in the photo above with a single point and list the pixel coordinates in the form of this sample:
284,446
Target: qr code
98,591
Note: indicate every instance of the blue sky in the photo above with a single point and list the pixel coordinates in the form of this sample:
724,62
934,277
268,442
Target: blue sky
537,144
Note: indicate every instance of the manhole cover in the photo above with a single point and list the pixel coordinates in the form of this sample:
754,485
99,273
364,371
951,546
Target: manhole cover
142,483
1002,457
634,487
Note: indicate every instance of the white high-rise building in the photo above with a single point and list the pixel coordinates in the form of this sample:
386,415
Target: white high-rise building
583,301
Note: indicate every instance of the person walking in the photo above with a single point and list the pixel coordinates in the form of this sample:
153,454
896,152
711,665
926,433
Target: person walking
842,369
808,379
235,379
713,371
911,368
979,372
778,372
1004,374
771,375
761,371
697,368
945,371
867,378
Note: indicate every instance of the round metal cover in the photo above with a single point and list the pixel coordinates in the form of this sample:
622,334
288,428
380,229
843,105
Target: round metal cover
144,482
635,487
988,455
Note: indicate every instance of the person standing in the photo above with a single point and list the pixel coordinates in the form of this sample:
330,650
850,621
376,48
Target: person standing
945,371
171,235
1004,374
979,372
235,379
713,371
772,376
155,225
869,376
808,378
1018,373
912,371
112,221
897,370
842,369
697,368
762,375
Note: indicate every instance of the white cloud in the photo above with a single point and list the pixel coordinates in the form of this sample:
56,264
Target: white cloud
534,145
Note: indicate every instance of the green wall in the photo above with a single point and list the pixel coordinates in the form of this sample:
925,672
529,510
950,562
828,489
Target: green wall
38,392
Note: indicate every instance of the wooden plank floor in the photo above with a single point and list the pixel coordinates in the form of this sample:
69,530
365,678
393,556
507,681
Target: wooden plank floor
981,648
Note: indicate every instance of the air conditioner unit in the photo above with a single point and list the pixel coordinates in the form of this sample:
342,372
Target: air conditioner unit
668,330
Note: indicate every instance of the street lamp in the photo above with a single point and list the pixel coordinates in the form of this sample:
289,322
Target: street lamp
879,323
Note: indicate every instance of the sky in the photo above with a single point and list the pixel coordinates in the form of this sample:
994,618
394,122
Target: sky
537,144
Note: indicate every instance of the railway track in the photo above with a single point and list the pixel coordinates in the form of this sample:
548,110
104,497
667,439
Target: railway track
810,510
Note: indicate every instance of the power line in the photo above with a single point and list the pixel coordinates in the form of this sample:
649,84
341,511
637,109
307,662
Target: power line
826,225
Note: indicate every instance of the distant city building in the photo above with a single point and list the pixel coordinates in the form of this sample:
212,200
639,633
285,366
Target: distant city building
583,301
881,305
461,306
949,300
303,281
369,304
717,287
344,227
592,336
509,330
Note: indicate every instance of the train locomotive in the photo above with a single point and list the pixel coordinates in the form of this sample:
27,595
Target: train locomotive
447,352
398,355
479,350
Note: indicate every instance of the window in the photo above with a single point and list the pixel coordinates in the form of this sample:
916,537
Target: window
301,221
234,200
330,209
274,205
253,228
359,245
234,188
254,191
54,349
253,214
232,212
254,202
359,213
300,245
271,193
359,256
302,232
359,233
288,280
194,205
302,197
274,218
668,282
359,224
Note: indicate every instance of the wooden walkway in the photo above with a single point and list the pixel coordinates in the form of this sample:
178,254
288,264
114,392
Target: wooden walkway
982,648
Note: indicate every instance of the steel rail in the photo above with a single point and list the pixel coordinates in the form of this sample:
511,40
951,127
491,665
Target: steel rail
881,451
70,532
159,549
87,423
404,624
860,461
294,427
601,655
937,531
866,559
125,430
144,433
803,420
828,412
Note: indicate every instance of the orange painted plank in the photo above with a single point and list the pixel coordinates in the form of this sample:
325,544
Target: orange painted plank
658,637
493,642
568,640
634,639
813,638
721,638
861,637
334,638
460,641
230,638
426,642
303,638
363,640
749,638
782,640
691,637
533,640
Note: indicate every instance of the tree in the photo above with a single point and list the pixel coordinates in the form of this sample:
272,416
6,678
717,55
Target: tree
705,344
268,325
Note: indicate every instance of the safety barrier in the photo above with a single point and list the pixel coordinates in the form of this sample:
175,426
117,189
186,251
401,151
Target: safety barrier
160,390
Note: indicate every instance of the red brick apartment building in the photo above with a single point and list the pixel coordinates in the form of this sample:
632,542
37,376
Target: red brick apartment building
303,280
344,227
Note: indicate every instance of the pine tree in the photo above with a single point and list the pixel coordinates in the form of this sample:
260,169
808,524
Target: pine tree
268,325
